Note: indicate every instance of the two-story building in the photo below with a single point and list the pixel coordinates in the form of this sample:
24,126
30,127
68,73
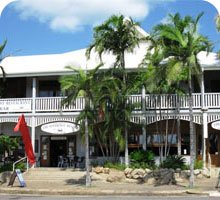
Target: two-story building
33,89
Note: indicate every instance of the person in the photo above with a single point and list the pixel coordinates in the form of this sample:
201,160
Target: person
60,161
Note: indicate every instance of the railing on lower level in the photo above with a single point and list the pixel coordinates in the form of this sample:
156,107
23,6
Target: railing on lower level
152,101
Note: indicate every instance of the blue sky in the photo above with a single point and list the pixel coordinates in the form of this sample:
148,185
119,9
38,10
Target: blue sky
57,26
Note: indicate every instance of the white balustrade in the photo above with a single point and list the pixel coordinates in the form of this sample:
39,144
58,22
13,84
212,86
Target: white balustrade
170,101
153,101
136,101
212,100
55,104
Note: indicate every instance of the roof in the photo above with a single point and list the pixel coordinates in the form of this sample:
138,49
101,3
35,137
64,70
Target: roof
209,61
42,65
54,64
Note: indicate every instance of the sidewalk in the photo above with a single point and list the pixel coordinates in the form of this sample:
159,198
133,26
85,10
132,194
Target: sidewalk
76,186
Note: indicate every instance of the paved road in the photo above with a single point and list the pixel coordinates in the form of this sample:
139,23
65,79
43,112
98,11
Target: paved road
26,197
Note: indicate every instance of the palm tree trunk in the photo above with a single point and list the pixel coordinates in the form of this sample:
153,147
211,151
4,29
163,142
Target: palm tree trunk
192,138
166,140
178,127
88,178
126,147
122,60
99,141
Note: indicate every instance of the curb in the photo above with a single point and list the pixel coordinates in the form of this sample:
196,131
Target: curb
90,191
207,193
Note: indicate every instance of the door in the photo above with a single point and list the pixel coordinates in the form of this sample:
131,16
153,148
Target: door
45,151
58,147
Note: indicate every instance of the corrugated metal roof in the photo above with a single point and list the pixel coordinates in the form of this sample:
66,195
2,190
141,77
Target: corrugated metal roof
54,64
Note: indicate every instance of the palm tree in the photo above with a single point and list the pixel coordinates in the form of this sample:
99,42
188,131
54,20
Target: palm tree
181,43
108,125
112,98
156,79
2,69
217,21
81,83
117,35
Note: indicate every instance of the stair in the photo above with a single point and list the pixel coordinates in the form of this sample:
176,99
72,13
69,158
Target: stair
53,176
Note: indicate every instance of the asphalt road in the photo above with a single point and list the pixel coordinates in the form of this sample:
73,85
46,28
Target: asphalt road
27,197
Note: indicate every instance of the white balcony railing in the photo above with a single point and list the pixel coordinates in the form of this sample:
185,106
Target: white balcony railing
54,104
44,104
167,101
212,100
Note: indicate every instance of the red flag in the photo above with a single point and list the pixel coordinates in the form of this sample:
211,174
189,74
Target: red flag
22,127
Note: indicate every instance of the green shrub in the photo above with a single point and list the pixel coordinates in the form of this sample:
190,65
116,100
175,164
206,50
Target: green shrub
22,166
9,167
197,165
142,159
115,165
6,167
8,144
174,162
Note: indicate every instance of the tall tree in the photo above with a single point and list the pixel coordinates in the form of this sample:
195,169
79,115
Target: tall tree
155,77
117,35
81,83
181,43
116,108
108,125
217,21
2,87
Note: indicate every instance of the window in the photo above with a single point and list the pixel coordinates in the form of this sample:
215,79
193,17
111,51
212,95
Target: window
160,138
49,88
36,146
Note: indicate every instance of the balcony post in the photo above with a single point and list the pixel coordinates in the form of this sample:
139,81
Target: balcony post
144,142
204,120
33,113
179,144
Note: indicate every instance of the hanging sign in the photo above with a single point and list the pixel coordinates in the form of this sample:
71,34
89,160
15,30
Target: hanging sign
60,128
216,125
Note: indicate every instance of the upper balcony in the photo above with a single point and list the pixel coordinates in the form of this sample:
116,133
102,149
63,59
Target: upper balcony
54,104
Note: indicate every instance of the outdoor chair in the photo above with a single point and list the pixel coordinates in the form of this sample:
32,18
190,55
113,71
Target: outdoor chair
62,162
75,161
81,162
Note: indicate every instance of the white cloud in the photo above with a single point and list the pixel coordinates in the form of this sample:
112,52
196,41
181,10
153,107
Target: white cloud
72,15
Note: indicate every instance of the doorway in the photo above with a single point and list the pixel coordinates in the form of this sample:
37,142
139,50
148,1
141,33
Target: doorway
58,147
54,146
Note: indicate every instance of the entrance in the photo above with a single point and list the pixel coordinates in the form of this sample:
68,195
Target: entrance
54,146
57,148
214,148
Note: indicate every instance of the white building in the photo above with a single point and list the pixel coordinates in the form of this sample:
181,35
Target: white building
33,89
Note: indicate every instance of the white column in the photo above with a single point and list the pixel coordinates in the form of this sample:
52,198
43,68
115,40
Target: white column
204,121
144,142
204,135
179,143
33,113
